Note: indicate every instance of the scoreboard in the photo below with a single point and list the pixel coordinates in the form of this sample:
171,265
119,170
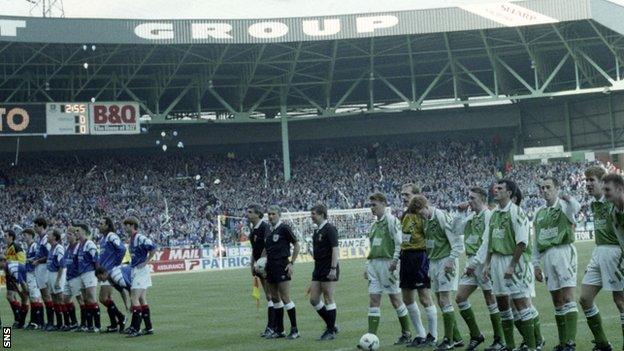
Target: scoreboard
66,118
69,118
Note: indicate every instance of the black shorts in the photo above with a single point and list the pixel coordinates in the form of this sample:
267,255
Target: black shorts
256,274
321,270
276,271
414,272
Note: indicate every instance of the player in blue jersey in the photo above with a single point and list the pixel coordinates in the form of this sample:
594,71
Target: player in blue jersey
72,284
87,261
119,278
112,251
36,304
41,271
142,249
56,276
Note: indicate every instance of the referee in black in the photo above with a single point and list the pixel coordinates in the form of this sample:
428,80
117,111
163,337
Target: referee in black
279,270
259,231
326,270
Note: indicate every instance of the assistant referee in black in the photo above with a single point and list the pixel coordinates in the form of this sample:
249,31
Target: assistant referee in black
279,270
326,269
259,231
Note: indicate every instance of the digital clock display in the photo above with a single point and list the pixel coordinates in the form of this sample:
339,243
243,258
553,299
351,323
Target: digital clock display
73,108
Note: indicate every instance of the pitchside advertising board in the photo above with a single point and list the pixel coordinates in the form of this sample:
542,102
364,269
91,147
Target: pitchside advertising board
70,118
206,259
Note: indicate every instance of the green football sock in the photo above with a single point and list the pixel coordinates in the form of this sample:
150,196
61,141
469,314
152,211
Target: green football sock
469,317
497,326
449,324
508,331
405,324
570,325
456,333
373,324
537,326
622,332
561,328
528,333
595,325
516,323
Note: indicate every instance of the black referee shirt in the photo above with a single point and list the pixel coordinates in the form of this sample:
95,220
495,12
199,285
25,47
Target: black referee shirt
323,241
278,242
257,238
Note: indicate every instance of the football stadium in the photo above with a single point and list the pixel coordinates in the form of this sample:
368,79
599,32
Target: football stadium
259,175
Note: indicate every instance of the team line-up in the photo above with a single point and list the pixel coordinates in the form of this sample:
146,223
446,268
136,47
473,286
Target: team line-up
409,257
418,254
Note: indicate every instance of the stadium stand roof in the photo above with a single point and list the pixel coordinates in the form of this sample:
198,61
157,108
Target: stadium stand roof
466,54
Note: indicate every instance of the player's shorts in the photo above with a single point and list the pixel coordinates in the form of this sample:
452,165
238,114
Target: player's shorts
11,284
276,271
33,288
559,267
141,278
477,278
52,282
606,268
321,270
72,287
414,273
41,274
442,281
105,283
520,285
380,279
87,280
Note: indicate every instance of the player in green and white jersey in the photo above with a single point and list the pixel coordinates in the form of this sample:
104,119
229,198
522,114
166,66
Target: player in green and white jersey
614,193
516,198
444,245
554,250
605,269
473,226
381,268
508,265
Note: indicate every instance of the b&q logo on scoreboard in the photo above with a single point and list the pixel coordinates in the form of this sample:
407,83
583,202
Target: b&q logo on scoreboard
114,118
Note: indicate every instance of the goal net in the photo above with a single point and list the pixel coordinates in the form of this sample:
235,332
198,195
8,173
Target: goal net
352,225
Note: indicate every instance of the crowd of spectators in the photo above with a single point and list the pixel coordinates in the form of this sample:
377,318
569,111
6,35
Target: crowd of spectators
178,196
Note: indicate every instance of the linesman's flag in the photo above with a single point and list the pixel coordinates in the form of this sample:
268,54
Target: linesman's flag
255,291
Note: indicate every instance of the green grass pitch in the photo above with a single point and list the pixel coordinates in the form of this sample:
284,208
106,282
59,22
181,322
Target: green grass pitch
215,311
